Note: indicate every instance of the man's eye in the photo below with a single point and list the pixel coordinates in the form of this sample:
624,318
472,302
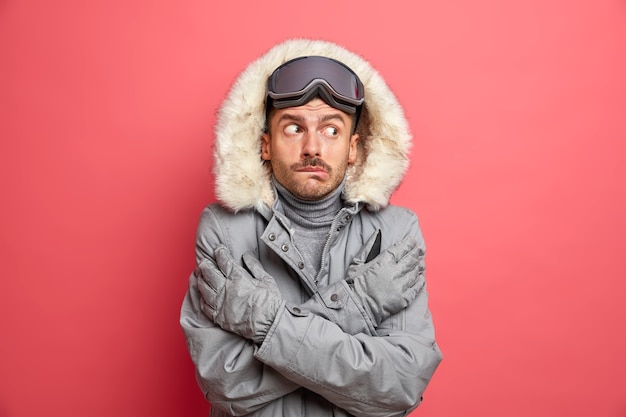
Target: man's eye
331,131
292,129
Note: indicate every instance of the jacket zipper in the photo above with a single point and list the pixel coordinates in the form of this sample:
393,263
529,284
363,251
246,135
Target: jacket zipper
331,234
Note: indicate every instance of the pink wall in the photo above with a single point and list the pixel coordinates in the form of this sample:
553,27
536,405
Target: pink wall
519,113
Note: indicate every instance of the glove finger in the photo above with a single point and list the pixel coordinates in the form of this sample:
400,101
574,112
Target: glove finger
409,270
412,292
411,264
211,281
403,248
207,306
224,260
211,275
395,253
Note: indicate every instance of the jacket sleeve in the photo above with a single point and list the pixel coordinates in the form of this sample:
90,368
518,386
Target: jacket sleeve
335,304
223,359
379,373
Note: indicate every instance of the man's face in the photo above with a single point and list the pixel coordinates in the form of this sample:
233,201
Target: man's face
309,148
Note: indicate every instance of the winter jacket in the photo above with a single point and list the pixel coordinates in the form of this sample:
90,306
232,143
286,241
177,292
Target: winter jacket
322,356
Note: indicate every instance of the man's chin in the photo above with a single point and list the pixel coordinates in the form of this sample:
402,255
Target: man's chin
310,187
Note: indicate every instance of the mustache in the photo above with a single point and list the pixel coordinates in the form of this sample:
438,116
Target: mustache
312,162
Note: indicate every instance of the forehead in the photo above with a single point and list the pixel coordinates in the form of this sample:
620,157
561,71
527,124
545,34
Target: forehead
315,109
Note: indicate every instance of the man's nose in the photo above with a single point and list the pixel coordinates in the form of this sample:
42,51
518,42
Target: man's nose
311,145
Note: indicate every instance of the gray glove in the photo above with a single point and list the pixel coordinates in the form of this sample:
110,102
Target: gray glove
240,301
389,282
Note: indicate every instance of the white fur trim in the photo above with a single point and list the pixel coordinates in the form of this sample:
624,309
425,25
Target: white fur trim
243,180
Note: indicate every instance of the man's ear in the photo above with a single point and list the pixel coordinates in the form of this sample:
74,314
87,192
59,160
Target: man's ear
265,147
352,154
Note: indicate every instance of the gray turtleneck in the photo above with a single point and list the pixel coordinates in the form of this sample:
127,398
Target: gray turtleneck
311,221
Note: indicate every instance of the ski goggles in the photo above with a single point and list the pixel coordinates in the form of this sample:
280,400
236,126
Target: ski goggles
296,82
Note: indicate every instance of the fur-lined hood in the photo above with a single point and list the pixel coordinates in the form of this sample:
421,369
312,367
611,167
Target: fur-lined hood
242,179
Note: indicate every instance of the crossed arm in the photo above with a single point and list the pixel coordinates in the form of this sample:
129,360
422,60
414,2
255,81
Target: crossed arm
377,368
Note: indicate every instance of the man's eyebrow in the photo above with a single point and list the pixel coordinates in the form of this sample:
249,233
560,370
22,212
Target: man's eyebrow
332,116
300,119
291,117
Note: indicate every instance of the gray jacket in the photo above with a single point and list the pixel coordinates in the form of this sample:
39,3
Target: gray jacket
322,356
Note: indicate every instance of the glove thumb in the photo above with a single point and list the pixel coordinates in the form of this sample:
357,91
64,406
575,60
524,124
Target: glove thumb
254,267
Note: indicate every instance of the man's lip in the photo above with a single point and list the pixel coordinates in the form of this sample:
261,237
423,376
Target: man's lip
311,169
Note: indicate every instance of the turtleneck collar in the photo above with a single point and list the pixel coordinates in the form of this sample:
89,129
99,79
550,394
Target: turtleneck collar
308,213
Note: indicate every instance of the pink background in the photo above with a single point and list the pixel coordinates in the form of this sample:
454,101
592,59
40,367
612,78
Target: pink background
518,175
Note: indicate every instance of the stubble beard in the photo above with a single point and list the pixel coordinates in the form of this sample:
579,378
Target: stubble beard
312,188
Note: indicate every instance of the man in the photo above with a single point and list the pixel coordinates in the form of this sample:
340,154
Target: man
309,296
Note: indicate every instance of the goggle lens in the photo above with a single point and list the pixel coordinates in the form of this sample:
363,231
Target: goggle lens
295,78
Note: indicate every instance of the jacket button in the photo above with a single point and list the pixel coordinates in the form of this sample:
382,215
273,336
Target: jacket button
301,265
271,237
285,248
296,310
334,297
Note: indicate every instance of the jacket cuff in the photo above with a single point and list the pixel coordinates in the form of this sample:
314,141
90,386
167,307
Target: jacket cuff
293,324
